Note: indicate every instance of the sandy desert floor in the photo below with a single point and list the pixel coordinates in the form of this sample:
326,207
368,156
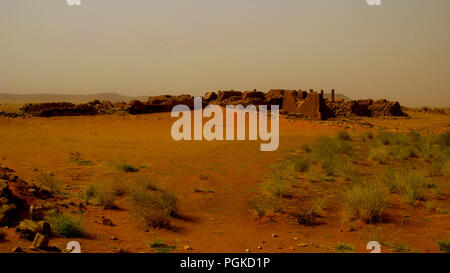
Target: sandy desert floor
215,182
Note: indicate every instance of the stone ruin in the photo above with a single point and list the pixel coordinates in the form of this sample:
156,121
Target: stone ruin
307,104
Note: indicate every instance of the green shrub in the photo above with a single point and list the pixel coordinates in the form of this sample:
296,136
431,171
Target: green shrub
444,245
119,187
307,148
393,181
154,208
160,246
260,207
379,154
49,182
66,225
89,193
402,248
344,248
146,182
75,157
126,167
365,201
415,187
414,135
103,193
443,140
446,168
301,164
318,205
331,154
366,136
403,152
388,138
278,184
344,135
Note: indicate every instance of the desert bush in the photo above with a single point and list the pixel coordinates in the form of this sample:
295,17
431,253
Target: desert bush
401,248
66,225
260,207
307,148
89,193
278,184
403,152
389,138
393,180
75,157
49,182
379,154
146,182
344,135
366,136
344,248
105,197
415,187
161,246
414,135
154,208
443,140
331,154
119,187
318,205
301,163
126,167
446,168
306,216
365,201
444,245
103,193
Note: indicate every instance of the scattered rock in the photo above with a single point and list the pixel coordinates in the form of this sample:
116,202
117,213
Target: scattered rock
274,235
107,222
302,245
260,247
17,249
247,250
29,229
40,242
186,247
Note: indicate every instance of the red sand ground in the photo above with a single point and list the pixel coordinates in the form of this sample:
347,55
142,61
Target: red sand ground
218,221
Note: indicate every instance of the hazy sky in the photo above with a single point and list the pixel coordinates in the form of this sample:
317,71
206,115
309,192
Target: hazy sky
399,51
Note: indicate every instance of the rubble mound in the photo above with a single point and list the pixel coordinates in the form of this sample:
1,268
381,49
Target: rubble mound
66,109
366,108
159,104
13,196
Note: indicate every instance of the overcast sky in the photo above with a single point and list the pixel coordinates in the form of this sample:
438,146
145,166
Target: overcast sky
399,51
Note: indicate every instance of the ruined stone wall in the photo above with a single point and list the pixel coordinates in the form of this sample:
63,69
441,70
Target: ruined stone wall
311,105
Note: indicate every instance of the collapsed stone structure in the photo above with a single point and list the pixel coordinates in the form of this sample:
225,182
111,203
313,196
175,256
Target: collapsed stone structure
307,104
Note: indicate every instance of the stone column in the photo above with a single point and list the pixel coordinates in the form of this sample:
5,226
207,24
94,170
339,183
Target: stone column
332,95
